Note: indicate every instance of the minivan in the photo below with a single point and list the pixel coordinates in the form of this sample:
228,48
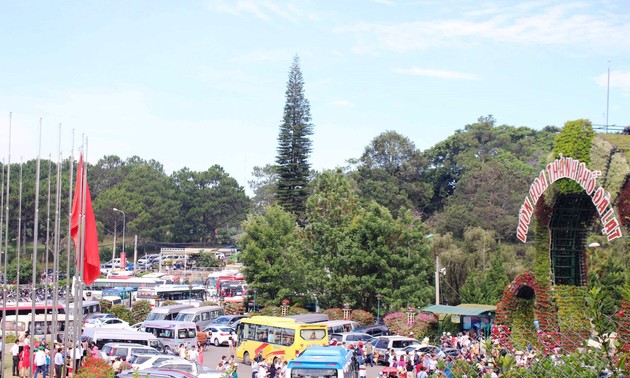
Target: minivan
375,330
383,344
201,316
112,350
172,333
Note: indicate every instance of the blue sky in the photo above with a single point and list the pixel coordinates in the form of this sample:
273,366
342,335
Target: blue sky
198,83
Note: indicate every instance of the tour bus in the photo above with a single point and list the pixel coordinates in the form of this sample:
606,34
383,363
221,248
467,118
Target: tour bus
96,288
338,326
276,336
102,336
126,294
43,326
185,294
324,362
172,333
23,308
167,312
201,316
89,307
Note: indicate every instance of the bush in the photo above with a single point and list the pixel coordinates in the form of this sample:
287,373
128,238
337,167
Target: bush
123,312
334,313
168,303
362,317
106,306
95,368
139,311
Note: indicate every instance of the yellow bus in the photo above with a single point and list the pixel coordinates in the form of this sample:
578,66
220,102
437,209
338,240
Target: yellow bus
273,336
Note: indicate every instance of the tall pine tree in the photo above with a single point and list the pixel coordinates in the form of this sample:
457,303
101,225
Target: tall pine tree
294,145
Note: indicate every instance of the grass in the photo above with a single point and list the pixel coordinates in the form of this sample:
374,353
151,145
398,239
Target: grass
622,142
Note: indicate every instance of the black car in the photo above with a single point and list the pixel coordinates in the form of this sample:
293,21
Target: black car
375,330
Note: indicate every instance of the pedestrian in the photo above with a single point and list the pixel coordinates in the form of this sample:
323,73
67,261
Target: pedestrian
116,364
193,354
40,362
369,354
15,352
25,361
59,363
231,345
254,367
124,364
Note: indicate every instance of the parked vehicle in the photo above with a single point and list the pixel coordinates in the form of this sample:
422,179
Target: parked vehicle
348,337
142,361
219,334
167,312
384,343
190,367
107,323
229,320
154,373
102,336
172,333
375,330
201,316
112,350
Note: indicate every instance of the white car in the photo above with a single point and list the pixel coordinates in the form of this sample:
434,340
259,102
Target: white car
191,367
146,361
220,334
107,323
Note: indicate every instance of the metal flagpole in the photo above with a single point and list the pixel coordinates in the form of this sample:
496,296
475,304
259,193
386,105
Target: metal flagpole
69,255
4,291
18,245
55,312
6,251
46,246
82,200
35,233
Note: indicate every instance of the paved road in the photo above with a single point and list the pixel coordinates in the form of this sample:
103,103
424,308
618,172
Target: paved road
213,355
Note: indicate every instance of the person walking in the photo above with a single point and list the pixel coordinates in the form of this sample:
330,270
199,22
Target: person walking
59,363
15,353
25,361
40,362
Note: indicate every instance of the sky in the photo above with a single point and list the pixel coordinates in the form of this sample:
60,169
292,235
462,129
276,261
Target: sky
202,82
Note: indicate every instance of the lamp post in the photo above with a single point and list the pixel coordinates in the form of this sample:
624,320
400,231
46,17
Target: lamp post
254,290
189,293
378,308
124,226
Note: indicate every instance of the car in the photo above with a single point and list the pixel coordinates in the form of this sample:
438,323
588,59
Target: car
107,323
385,343
348,337
142,361
154,373
137,326
375,330
190,367
113,350
96,316
228,320
219,334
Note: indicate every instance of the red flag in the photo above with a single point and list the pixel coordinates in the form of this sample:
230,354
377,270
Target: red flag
91,259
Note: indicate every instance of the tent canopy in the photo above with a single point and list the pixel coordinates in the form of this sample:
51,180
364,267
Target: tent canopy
463,309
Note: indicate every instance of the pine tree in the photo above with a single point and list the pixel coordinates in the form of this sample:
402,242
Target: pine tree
294,145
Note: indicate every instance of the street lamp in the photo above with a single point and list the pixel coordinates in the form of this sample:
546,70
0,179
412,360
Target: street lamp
254,290
124,224
378,308
189,293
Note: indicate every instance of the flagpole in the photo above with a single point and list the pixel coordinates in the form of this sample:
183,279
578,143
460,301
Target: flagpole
35,233
47,244
68,259
6,245
18,244
55,312
81,251
4,290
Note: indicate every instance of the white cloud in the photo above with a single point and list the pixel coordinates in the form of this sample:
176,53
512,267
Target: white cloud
618,79
534,23
342,103
261,9
440,74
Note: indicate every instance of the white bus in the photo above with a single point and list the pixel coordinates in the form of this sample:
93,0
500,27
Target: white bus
184,294
42,328
167,312
89,307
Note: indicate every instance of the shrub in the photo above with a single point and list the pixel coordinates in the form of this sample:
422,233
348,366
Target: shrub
122,312
139,311
295,310
168,303
106,306
334,313
362,317
95,368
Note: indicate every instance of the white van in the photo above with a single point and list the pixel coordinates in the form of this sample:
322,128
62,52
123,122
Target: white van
201,316
339,326
102,336
167,312
172,333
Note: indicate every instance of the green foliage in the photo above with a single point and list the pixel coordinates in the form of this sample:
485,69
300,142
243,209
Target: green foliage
139,311
294,145
168,303
206,259
362,317
609,274
106,306
574,141
264,186
390,173
334,313
26,270
486,287
123,312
